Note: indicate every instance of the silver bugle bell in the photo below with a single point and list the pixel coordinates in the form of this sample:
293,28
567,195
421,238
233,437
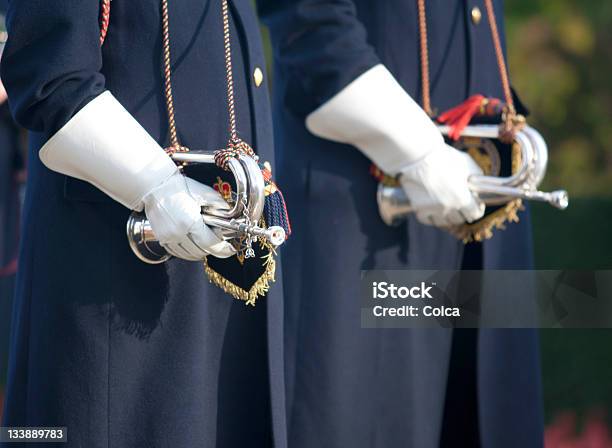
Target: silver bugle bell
233,223
394,205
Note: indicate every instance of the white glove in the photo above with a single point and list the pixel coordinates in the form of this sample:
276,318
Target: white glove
105,146
174,211
376,115
437,187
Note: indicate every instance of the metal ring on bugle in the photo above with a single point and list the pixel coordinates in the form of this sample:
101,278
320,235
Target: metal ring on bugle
234,223
394,205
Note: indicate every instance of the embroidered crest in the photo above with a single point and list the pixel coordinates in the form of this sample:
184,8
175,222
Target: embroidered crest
224,189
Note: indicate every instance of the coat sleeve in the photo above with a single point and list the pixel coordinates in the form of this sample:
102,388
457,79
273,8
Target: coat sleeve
321,46
52,61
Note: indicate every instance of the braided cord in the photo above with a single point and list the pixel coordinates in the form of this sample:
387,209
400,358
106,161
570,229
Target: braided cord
233,130
104,20
236,146
425,83
175,144
501,62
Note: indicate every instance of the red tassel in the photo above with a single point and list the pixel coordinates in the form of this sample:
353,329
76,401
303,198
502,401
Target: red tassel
459,117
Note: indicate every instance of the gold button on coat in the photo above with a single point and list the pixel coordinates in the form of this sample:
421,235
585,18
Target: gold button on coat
257,76
476,15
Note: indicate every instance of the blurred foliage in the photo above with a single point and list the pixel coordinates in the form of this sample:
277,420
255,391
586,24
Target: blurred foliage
576,371
560,55
576,363
576,238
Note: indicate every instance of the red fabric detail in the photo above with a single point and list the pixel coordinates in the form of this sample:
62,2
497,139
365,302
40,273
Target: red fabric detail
563,432
9,269
459,117
267,174
493,107
376,173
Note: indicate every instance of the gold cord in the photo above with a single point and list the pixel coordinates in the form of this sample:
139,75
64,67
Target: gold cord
425,85
501,62
175,144
425,70
229,74
174,140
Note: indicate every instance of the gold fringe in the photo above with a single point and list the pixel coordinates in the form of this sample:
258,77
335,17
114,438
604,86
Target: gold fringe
259,288
483,229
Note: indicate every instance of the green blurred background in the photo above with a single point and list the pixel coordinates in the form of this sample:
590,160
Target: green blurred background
560,57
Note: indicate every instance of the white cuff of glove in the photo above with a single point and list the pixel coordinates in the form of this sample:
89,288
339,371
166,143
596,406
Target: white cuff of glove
105,146
376,115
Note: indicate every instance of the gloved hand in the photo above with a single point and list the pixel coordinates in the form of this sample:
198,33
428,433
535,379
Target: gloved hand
437,187
174,211
104,145
377,116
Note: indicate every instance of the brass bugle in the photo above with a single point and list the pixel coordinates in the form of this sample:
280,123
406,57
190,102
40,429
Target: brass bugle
394,206
234,223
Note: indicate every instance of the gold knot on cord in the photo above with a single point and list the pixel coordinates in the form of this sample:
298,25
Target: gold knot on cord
233,150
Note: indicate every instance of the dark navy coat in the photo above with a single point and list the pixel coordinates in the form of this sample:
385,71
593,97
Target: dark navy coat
386,388
11,164
123,353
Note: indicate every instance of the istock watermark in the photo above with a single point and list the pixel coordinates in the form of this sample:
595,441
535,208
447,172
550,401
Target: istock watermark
422,291
486,299
383,290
